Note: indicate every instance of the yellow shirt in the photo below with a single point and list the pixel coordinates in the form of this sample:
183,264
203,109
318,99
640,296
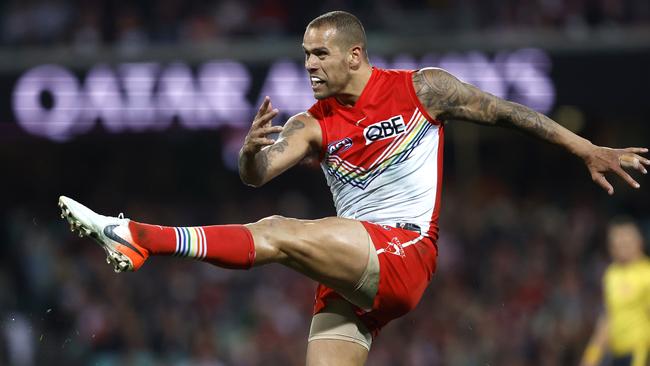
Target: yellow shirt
627,297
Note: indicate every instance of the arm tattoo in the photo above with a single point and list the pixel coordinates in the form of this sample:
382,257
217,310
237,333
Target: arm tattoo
446,97
266,156
439,95
526,119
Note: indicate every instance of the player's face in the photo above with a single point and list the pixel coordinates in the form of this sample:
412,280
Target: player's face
327,64
625,243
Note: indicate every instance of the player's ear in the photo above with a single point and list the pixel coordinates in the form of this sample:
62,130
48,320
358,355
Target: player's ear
355,57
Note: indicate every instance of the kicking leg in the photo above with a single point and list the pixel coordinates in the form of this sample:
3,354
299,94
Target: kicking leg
333,251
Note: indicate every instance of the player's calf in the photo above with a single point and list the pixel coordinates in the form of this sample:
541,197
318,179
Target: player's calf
128,243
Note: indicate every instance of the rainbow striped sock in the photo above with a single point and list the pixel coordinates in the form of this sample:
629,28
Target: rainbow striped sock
191,242
230,246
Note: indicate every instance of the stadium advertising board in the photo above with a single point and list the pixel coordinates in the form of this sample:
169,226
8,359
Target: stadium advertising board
52,102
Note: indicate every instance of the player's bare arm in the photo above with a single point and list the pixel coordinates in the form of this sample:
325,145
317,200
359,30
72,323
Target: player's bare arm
262,158
445,97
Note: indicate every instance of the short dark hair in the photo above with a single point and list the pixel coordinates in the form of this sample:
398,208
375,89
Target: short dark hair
622,220
349,28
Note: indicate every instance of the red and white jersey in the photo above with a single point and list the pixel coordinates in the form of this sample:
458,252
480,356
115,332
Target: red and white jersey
382,157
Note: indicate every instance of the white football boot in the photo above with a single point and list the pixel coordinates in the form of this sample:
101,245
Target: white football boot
112,233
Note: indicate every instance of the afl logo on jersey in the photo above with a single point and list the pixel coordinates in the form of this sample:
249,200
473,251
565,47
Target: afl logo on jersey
384,129
339,146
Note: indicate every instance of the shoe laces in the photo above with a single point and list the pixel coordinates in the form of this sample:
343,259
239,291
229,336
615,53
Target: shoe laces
120,216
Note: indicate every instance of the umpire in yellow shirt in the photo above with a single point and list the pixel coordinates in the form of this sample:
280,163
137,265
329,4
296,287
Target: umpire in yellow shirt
624,330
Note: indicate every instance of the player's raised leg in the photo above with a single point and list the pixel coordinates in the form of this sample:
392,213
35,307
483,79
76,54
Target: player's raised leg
332,251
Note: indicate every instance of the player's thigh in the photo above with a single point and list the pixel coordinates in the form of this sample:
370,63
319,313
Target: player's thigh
332,250
333,352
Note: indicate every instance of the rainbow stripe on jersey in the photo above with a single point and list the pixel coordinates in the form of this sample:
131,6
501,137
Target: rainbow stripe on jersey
191,242
399,150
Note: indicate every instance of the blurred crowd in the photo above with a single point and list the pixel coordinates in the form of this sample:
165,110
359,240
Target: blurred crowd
518,278
90,24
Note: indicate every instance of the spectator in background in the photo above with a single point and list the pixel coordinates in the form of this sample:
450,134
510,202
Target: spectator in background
131,34
624,330
50,22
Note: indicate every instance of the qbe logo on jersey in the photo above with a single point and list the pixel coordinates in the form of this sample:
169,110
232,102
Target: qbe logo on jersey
384,129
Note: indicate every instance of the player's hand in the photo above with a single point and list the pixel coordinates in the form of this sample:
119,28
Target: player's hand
601,160
257,136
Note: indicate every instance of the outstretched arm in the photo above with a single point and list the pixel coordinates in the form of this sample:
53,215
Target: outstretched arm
446,97
262,158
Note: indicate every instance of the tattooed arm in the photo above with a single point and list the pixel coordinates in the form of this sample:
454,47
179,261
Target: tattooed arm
446,97
262,159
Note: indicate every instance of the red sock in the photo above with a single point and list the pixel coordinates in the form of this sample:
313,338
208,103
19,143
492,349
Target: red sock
228,246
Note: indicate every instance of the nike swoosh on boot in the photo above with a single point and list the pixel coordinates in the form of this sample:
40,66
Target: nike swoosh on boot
108,231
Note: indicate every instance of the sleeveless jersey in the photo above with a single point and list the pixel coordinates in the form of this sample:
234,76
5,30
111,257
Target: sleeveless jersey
382,157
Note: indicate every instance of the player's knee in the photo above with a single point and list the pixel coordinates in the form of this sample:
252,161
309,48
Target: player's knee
271,221
299,239
280,232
